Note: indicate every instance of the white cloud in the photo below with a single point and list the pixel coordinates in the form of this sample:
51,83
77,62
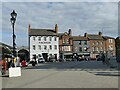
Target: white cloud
81,17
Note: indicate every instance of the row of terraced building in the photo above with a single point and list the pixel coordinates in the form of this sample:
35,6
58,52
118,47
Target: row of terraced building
66,46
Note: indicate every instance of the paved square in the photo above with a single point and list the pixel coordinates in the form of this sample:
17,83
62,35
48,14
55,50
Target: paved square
86,74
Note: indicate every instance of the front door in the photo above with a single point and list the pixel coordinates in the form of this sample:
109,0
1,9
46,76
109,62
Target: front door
45,56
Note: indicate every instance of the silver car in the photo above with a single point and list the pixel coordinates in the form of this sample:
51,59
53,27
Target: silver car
41,60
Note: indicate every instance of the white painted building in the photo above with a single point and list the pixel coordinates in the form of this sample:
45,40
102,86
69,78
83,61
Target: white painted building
43,42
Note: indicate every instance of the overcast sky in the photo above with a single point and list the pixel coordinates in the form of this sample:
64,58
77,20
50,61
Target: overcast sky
81,17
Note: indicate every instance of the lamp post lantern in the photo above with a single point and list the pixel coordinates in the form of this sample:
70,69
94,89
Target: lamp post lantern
13,19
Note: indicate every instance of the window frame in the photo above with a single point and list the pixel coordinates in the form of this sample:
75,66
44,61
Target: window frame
39,46
55,38
45,47
39,38
50,47
34,38
34,47
55,47
45,38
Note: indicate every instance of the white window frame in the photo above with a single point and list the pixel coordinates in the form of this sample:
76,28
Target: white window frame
39,46
45,47
50,47
34,47
39,38
45,38
50,38
55,38
55,47
34,38
110,41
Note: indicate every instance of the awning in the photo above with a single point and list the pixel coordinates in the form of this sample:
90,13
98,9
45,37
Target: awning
68,53
83,53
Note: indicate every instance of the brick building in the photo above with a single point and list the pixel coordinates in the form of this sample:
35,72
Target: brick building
81,47
65,45
97,44
109,46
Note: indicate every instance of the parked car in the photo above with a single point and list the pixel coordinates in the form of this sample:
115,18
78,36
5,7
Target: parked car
41,60
52,59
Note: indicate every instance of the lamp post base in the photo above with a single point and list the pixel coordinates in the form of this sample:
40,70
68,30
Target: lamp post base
15,72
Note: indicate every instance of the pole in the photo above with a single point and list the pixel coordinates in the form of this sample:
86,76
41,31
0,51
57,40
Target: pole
13,41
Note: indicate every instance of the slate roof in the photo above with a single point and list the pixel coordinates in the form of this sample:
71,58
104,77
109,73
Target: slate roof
42,32
94,37
107,37
75,38
118,38
3,48
62,34
5,45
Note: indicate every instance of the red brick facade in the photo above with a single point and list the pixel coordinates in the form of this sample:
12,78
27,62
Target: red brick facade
65,42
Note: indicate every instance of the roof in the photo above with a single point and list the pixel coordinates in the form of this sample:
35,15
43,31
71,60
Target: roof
60,34
94,37
64,34
5,45
107,37
42,32
75,38
118,38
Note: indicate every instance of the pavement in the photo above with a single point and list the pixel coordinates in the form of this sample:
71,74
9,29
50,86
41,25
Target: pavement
73,74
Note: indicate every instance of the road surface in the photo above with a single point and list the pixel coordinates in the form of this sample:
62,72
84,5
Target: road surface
73,74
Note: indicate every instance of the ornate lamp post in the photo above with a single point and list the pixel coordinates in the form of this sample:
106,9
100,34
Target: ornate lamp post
13,19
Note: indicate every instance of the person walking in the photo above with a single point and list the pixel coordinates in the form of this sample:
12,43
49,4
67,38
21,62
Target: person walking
23,63
12,63
3,66
103,58
17,61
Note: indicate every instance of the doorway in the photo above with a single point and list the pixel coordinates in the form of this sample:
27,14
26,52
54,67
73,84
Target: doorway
45,56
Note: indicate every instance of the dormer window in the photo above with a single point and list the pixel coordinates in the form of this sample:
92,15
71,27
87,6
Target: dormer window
110,41
45,38
39,38
50,38
65,33
34,38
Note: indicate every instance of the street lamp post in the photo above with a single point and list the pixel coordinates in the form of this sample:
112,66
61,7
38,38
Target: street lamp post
13,19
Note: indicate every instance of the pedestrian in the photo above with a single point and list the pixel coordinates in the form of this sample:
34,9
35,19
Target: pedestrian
3,66
17,61
12,63
23,63
8,65
103,58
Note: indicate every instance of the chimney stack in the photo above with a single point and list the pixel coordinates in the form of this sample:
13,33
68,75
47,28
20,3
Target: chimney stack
85,35
100,33
56,28
28,28
70,32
